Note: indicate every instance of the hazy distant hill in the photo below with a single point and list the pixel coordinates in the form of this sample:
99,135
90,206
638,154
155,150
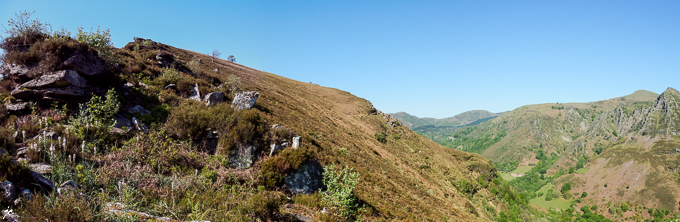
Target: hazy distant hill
412,122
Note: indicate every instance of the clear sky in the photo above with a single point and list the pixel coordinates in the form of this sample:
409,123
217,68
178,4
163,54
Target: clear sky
427,58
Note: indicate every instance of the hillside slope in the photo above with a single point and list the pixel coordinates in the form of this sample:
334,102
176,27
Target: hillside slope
468,117
150,131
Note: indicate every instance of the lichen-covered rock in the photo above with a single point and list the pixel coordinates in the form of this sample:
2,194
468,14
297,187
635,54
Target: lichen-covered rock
165,59
138,124
245,100
296,142
10,216
41,168
10,70
67,187
242,156
55,80
213,98
86,64
19,106
306,179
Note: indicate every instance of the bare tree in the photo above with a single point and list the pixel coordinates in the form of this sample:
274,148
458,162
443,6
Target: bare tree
215,54
231,58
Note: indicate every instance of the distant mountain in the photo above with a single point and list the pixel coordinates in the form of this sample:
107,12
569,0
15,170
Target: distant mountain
440,130
468,117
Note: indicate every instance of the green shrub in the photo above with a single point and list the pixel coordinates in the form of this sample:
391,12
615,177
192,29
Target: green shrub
381,137
338,197
95,119
22,31
169,76
233,84
195,66
99,40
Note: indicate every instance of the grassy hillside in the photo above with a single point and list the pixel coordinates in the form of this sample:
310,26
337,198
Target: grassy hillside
187,165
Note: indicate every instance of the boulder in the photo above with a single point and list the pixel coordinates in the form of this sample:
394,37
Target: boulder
19,106
195,94
45,183
306,179
138,109
213,98
121,122
244,100
86,64
242,156
9,191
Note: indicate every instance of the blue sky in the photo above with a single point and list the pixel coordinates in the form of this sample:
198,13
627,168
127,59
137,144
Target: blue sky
427,58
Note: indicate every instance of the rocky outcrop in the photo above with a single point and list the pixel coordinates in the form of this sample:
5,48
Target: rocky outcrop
86,64
664,115
138,109
244,100
54,86
14,70
8,190
213,98
165,59
306,179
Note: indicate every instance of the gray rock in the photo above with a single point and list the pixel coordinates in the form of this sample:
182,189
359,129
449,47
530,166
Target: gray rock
138,109
18,106
41,168
273,148
86,64
56,79
9,190
121,122
242,156
306,179
195,94
213,98
139,125
244,100
296,141
26,194
14,70
45,183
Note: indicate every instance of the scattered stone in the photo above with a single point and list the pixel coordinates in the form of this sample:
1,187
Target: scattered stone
306,179
41,168
170,86
139,125
26,194
138,109
86,64
296,141
9,190
213,98
216,70
195,94
274,148
244,100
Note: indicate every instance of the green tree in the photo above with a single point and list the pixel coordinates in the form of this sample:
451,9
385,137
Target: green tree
338,196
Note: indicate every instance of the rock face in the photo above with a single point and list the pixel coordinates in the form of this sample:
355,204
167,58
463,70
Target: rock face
244,100
664,115
195,94
53,86
306,179
86,64
14,70
213,98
